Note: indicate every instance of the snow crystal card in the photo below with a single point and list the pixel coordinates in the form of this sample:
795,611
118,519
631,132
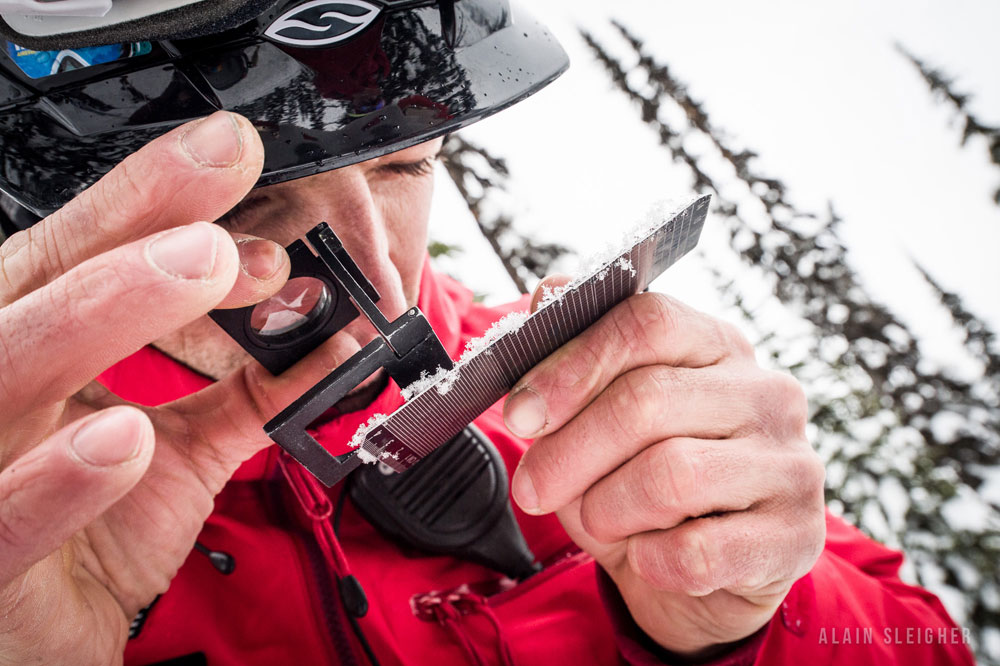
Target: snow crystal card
442,403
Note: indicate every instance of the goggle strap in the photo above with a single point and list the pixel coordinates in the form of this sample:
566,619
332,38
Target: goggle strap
131,21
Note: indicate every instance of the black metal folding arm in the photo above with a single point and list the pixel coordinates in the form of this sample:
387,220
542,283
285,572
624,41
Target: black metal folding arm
404,348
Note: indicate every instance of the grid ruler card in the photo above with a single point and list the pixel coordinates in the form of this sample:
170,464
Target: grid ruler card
451,400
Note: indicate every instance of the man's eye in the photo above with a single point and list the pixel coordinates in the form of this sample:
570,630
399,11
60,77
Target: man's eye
422,168
240,211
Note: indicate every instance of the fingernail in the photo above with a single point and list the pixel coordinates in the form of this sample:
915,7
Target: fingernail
524,413
215,141
523,490
259,258
187,252
110,439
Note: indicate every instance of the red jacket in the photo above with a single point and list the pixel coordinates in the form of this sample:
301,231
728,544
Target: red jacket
279,605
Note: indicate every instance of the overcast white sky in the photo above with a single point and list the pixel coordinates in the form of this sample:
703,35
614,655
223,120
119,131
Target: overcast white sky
817,89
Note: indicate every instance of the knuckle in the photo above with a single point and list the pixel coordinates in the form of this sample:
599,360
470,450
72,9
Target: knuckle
750,576
637,401
649,563
806,482
580,365
34,256
792,400
672,477
731,341
594,519
778,404
14,243
696,560
680,561
90,293
800,504
649,315
813,541
57,252
106,279
812,473
654,310
805,539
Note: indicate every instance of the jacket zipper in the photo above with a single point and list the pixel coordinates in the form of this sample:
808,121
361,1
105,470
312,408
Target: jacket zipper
336,624
323,594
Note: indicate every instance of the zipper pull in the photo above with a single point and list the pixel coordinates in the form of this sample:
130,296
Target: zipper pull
222,561
353,595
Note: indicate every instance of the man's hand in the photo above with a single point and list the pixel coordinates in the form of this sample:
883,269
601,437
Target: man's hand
100,502
679,464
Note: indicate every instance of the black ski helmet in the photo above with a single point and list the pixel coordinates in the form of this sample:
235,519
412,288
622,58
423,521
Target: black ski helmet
326,83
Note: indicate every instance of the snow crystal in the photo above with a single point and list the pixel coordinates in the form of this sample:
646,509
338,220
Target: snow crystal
873,519
443,379
990,596
625,264
366,457
506,324
359,437
650,222
552,295
363,454
446,382
425,382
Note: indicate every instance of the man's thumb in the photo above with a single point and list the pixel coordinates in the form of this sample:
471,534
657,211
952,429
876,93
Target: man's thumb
67,481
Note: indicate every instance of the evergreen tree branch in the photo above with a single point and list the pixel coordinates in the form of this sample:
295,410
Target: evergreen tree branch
480,176
980,339
942,86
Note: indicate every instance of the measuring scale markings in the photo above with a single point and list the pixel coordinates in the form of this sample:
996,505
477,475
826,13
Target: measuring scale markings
480,378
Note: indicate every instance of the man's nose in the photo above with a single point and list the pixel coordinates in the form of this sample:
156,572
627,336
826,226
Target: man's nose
344,200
